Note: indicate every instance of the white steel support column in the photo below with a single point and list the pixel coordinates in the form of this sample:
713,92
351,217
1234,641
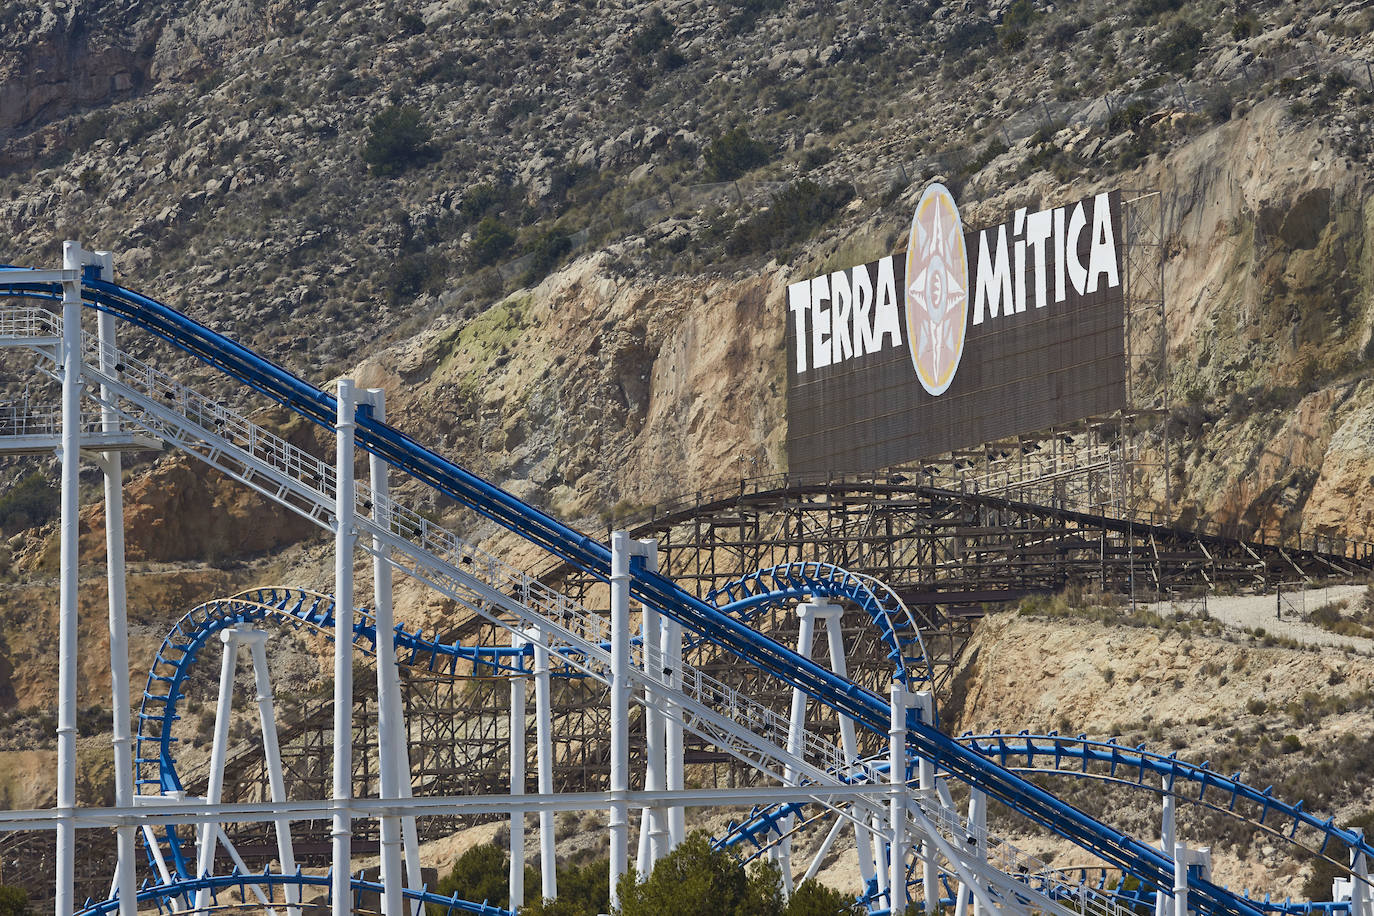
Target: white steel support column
256,640
656,722
976,845
391,732
1359,884
672,676
64,900
924,702
896,761
224,708
113,467
1164,903
875,835
839,663
1181,859
807,614
517,783
341,832
543,736
620,710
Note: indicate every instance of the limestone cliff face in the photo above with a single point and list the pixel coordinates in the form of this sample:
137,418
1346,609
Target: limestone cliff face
1269,284
594,389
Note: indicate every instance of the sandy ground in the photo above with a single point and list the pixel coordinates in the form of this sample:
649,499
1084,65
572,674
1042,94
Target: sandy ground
1280,614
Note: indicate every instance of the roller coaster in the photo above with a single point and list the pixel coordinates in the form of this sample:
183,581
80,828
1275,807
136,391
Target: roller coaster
858,752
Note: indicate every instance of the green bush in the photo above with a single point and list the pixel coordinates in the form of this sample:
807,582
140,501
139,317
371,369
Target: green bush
812,898
31,502
652,36
490,240
1019,15
1128,118
582,891
734,153
792,216
748,13
412,274
546,252
14,901
397,141
1149,8
480,199
1178,49
696,880
482,874
967,36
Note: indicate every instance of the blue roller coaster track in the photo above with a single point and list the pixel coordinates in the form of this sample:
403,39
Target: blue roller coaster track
967,762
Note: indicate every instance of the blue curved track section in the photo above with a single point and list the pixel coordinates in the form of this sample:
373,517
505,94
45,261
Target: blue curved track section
154,744
865,707
750,596
159,895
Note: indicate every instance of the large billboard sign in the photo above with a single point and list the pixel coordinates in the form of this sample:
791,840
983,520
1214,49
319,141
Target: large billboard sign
968,338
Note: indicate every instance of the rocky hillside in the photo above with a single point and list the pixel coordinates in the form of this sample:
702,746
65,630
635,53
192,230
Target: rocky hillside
1280,713
559,236
351,183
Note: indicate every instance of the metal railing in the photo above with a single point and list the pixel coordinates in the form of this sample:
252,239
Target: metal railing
147,396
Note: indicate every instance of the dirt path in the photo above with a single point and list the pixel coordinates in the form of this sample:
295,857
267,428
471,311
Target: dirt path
1246,612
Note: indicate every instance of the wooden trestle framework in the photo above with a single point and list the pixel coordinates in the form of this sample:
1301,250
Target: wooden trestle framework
952,556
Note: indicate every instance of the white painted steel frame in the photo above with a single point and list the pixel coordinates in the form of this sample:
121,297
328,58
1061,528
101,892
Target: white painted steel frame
741,738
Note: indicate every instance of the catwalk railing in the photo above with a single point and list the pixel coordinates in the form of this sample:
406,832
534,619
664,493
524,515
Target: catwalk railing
864,707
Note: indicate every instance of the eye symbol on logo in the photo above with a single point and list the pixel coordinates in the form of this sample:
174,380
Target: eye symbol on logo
936,290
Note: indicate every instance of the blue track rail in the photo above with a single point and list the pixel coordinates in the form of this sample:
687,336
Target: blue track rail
270,883
154,755
750,596
695,615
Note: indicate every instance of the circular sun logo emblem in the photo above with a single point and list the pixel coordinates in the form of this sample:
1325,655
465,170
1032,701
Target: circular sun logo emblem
936,289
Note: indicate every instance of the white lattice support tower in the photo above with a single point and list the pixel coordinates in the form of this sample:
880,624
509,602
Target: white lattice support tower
849,742
656,719
65,900
341,831
622,549
896,761
1361,902
1185,860
876,831
619,815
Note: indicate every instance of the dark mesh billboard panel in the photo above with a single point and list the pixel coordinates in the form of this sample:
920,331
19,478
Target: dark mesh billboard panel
1028,370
